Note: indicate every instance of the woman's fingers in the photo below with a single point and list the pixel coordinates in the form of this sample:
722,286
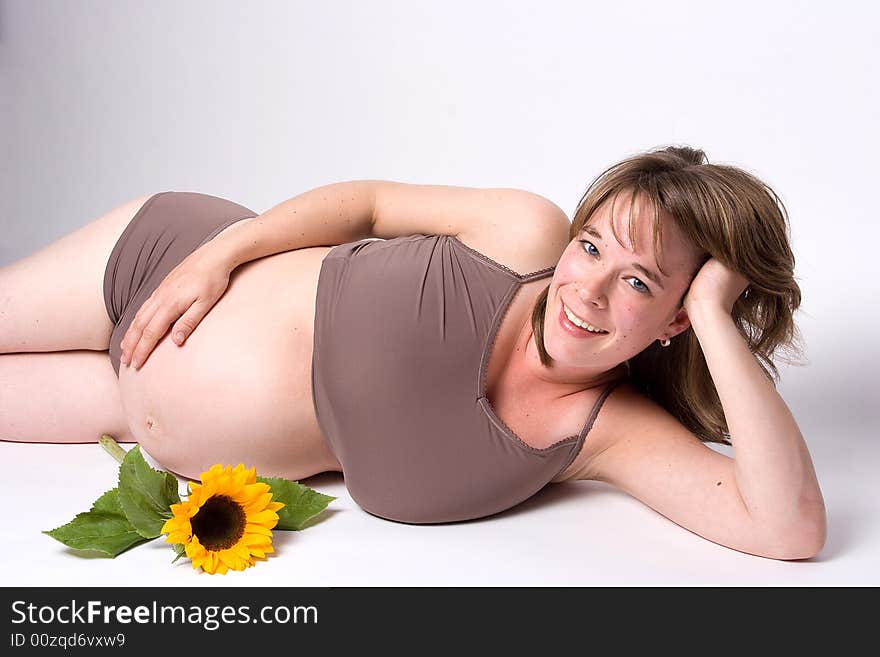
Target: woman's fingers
147,331
157,326
187,324
153,331
150,336
135,329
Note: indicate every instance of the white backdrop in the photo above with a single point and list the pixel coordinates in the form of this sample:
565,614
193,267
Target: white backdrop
103,101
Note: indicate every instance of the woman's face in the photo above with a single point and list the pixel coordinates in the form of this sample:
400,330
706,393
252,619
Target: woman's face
617,288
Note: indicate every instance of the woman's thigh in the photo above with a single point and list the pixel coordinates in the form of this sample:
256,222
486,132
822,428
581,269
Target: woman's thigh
60,397
53,299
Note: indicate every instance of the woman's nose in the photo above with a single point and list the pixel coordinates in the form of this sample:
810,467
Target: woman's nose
592,292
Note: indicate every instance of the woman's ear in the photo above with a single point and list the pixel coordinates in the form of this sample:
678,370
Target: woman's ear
679,324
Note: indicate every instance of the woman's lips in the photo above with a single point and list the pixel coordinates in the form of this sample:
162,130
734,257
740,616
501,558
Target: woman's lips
575,331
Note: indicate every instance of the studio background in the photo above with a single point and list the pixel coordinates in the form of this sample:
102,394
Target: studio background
102,101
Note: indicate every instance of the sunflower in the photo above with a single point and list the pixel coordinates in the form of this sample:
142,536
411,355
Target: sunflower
227,520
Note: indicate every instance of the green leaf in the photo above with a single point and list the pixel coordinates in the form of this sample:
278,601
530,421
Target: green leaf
301,502
179,550
146,495
104,528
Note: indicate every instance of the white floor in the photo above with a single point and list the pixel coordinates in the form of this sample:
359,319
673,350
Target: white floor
573,534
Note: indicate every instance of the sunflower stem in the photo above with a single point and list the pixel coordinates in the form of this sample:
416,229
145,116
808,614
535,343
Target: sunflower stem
112,447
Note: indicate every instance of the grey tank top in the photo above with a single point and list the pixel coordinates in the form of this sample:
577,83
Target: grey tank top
403,332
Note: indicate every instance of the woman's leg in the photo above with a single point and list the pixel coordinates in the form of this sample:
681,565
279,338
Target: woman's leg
60,397
53,299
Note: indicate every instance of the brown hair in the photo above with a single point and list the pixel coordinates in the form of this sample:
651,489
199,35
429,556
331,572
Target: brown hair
732,216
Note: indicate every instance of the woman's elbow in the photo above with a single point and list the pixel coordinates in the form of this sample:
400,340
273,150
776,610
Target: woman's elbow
803,542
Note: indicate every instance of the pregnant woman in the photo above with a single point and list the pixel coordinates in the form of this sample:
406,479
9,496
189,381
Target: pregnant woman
450,350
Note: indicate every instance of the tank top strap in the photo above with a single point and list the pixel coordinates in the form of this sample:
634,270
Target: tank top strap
609,388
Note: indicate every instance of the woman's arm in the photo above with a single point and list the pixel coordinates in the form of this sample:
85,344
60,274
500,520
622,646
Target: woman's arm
774,472
349,211
325,216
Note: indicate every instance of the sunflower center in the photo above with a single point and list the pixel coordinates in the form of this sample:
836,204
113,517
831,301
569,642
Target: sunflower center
219,523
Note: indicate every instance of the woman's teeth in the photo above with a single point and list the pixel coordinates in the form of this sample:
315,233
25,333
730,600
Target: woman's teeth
577,321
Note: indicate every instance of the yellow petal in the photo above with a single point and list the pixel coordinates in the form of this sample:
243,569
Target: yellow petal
177,521
241,551
256,537
260,549
198,498
209,565
250,538
220,482
194,548
178,537
257,503
239,475
253,528
217,565
265,518
257,489
232,560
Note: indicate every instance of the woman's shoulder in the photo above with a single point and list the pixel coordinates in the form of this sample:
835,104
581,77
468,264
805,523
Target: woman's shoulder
532,240
517,228
625,409
634,436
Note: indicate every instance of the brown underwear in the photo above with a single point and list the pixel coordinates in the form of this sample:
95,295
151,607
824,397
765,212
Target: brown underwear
168,227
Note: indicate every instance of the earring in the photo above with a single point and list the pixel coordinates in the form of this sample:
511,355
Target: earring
664,342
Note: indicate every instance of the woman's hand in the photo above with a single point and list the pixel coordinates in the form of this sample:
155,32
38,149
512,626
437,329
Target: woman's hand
186,294
715,285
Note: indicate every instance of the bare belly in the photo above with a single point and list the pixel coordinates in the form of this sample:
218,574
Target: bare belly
240,389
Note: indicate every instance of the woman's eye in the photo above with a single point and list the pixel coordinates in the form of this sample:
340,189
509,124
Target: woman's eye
587,248
641,287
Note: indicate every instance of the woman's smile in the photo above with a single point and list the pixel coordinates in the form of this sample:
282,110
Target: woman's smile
577,320
577,331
